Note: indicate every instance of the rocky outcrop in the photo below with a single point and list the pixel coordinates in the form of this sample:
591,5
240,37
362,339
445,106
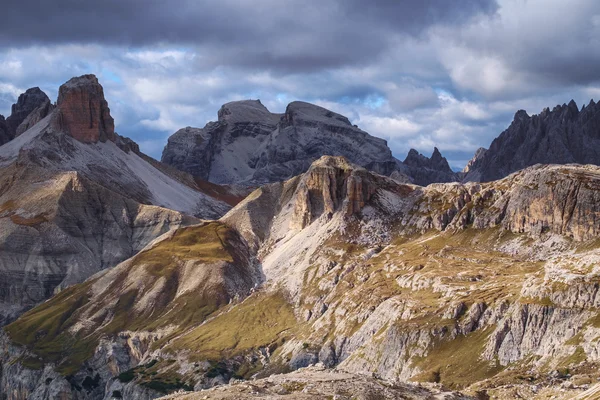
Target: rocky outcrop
330,185
25,105
223,151
33,101
474,162
450,283
83,112
562,135
250,146
424,171
319,383
70,209
35,116
5,135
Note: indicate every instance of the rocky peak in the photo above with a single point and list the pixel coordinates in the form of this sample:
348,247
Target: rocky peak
436,162
573,106
244,111
26,103
83,112
558,136
521,115
476,158
301,111
4,131
331,184
35,116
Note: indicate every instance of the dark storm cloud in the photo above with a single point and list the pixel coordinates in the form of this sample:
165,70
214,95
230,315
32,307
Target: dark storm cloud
418,73
279,35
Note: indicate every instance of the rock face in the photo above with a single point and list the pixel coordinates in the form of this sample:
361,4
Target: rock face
331,184
424,170
5,136
559,136
249,145
223,151
26,103
69,209
460,284
474,162
83,112
31,107
35,116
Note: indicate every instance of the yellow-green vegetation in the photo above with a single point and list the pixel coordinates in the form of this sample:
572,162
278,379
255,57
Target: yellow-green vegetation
575,358
204,243
208,246
429,274
47,329
457,362
261,320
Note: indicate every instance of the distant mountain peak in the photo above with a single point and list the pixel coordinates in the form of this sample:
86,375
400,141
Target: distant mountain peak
244,111
82,111
27,102
436,161
562,135
249,145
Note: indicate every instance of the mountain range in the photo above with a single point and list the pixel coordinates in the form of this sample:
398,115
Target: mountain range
291,255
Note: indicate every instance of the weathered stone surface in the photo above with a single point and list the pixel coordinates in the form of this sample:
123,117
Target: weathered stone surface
223,151
315,382
248,145
83,112
455,283
35,116
562,135
424,170
474,162
25,105
5,135
329,185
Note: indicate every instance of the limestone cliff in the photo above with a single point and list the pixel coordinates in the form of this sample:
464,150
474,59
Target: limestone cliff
249,145
473,286
82,111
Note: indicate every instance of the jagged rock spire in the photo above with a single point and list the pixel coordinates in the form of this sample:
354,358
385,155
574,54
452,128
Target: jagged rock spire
82,111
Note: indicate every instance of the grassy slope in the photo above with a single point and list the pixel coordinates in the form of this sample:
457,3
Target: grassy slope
44,330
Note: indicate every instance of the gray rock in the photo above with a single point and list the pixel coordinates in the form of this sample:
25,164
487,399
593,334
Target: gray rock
35,116
5,135
561,136
25,105
424,170
249,145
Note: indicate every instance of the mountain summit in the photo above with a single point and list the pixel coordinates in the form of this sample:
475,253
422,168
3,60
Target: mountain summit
33,101
562,135
77,198
425,170
249,146
83,112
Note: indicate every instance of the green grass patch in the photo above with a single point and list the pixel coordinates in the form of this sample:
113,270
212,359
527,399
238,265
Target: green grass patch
456,362
258,321
45,330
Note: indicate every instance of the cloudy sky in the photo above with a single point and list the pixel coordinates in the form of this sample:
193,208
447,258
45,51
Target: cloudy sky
419,73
